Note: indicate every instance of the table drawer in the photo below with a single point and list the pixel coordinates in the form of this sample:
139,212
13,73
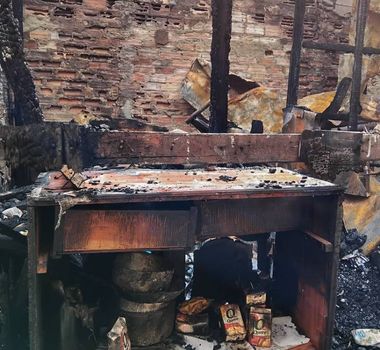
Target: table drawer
95,231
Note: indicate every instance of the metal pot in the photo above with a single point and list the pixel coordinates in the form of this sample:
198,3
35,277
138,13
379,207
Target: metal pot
142,273
148,324
175,289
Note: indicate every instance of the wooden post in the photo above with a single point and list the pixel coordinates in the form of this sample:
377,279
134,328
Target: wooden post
220,49
295,58
361,20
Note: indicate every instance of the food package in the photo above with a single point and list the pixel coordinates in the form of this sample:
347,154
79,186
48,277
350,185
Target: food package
194,324
256,298
260,327
118,336
233,322
194,306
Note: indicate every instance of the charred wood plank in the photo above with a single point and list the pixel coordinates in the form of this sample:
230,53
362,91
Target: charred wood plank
34,291
331,112
75,146
354,148
329,153
341,92
295,57
32,149
361,21
345,48
250,216
76,179
171,148
220,50
325,244
130,124
198,112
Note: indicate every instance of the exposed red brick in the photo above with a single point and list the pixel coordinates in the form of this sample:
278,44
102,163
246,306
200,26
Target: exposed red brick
119,58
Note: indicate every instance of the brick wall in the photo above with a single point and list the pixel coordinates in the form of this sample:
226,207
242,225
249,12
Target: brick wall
127,58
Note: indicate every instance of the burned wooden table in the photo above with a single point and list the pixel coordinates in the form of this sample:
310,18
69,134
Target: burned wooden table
121,210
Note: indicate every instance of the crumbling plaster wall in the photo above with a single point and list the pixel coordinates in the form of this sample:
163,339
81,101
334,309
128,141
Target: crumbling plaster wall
127,58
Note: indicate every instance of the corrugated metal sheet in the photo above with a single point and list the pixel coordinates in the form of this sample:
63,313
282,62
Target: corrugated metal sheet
245,104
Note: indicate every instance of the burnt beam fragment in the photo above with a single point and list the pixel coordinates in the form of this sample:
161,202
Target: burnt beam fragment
332,111
336,47
220,49
330,153
341,92
76,179
361,21
295,57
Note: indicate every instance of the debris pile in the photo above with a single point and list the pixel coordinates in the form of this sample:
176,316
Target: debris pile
358,294
351,241
14,221
13,210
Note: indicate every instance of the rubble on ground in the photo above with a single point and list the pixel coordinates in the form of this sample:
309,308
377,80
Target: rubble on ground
358,296
13,213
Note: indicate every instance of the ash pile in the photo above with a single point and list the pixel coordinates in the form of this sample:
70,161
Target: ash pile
358,294
13,213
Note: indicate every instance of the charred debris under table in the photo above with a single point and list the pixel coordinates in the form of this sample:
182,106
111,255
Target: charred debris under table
357,284
121,188
358,294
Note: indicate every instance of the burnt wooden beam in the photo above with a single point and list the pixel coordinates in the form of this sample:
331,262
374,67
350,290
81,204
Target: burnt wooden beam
220,50
171,148
341,92
295,57
329,153
327,246
35,148
32,149
332,111
129,124
361,21
344,48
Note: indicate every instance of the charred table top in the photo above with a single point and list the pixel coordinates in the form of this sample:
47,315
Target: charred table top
145,185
